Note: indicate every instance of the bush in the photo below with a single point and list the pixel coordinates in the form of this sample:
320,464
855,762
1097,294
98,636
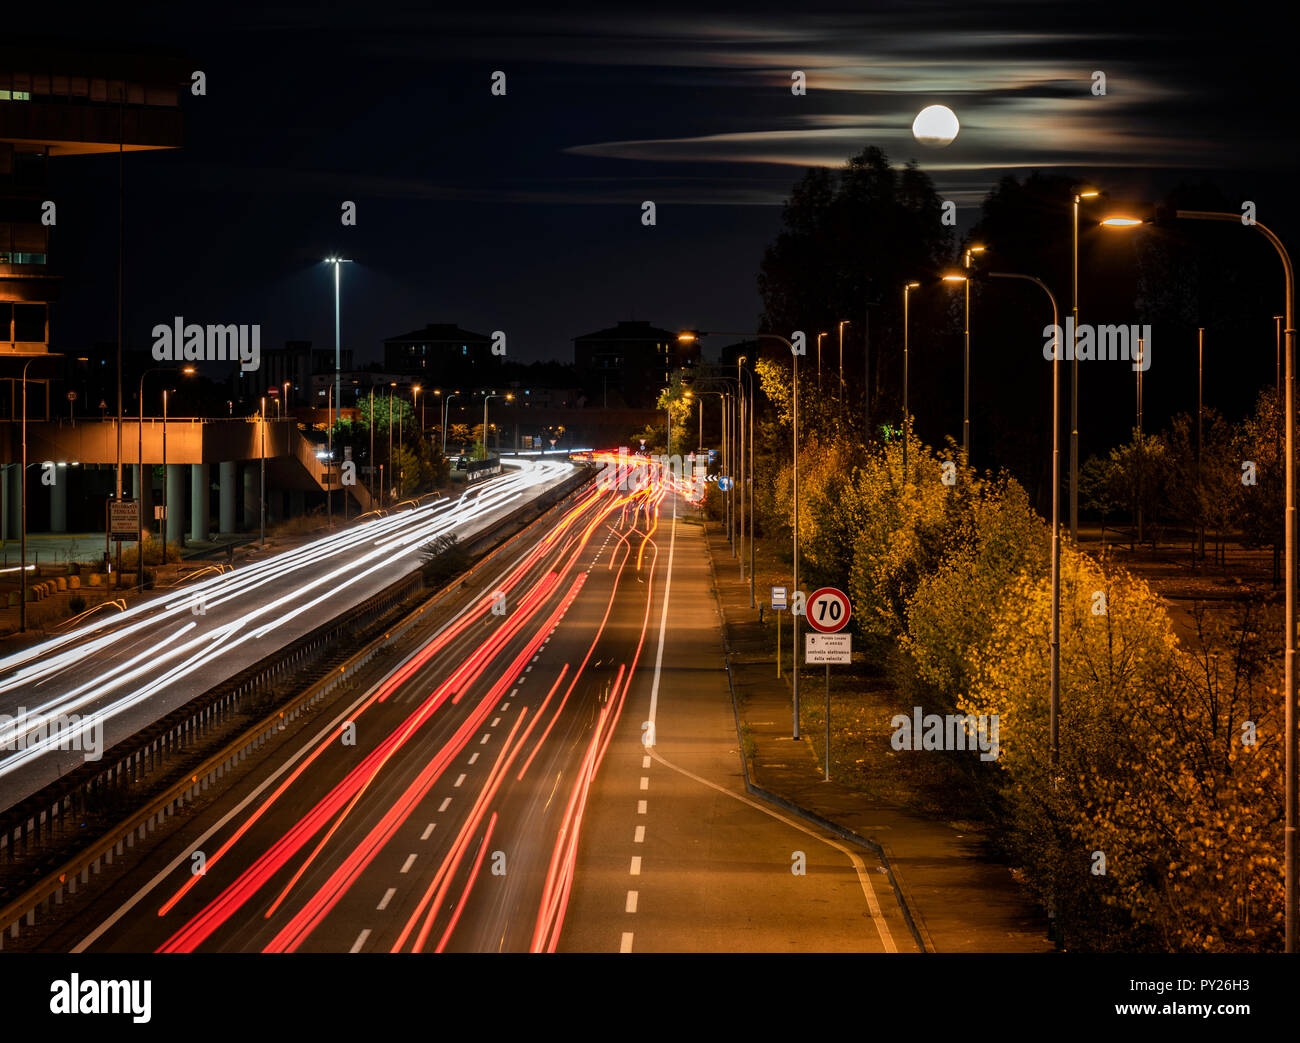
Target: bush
76,605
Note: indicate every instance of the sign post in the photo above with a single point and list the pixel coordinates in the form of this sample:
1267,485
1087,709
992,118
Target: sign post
828,613
778,605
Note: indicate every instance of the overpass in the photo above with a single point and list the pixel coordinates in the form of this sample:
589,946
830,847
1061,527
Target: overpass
84,455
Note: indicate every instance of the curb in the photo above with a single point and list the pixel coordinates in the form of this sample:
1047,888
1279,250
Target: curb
920,934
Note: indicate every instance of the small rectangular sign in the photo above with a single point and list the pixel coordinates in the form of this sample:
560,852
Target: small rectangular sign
159,512
828,648
778,599
124,519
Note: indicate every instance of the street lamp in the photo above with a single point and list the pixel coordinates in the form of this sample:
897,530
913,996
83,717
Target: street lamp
965,422
446,416
843,323
414,402
1054,711
1292,761
338,263
749,478
139,498
261,507
486,399
329,460
819,357
686,336
907,289
1083,193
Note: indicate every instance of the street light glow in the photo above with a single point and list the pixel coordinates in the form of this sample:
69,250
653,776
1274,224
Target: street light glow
1121,222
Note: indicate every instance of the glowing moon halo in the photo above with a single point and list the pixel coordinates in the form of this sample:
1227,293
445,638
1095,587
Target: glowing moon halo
935,125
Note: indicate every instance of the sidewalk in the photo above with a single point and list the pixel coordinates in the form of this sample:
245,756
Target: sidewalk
958,901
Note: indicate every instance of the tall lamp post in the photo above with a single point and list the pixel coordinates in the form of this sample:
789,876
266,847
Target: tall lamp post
446,417
139,461
261,506
749,478
338,263
22,494
486,399
907,289
686,336
843,323
1086,193
965,394
329,458
1054,710
1292,762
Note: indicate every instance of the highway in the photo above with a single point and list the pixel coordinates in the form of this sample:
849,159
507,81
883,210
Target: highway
560,774
136,666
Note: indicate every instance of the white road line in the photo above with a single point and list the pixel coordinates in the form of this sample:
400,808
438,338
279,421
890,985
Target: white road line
486,736
639,836
459,779
640,807
645,782
427,830
882,928
473,757
645,761
445,802
626,944
631,901
528,669
388,897
636,865
663,623
361,940
410,861
495,722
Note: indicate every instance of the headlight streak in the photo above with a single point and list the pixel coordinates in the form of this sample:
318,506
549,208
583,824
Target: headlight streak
408,530
249,882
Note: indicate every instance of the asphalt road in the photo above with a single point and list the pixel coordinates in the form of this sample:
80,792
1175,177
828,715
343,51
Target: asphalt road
492,790
135,667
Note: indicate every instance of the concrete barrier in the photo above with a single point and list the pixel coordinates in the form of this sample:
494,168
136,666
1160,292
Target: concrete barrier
61,582
74,582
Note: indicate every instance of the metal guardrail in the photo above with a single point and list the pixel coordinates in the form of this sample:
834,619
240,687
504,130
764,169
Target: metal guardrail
57,808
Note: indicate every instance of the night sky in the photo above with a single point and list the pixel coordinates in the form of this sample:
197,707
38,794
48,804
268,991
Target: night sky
523,213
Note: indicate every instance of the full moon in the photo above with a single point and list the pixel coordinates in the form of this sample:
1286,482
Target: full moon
935,125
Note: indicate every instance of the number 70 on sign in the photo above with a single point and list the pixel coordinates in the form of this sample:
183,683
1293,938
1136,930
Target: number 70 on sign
828,610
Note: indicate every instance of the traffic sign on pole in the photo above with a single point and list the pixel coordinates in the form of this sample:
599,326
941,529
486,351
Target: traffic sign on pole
828,610
778,599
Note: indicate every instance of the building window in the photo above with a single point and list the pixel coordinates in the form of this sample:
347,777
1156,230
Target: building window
22,258
15,96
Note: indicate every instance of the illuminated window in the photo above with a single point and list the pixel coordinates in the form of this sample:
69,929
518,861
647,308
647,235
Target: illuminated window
15,96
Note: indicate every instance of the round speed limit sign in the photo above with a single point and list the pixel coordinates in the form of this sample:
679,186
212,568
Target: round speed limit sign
828,610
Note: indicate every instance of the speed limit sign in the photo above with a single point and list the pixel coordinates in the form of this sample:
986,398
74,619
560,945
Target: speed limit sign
828,610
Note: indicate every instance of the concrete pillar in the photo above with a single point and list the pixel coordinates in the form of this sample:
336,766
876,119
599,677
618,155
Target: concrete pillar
199,503
227,471
4,501
176,503
144,493
250,497
275,505
297,503
14,483
59,499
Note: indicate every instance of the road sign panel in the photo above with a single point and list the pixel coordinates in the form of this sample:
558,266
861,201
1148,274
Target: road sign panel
778,599
124,519
828,610
828,648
